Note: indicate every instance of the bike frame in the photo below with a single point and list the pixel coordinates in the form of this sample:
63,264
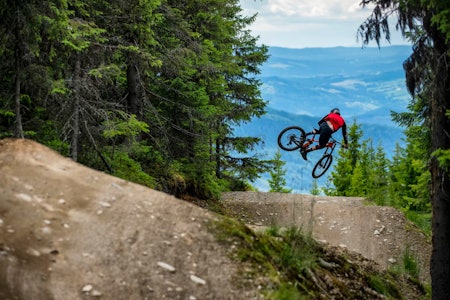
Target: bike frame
294,137
330,145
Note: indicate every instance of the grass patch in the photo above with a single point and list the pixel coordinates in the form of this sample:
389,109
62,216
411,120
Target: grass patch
280,256
289,264
407,267
383,286
420,219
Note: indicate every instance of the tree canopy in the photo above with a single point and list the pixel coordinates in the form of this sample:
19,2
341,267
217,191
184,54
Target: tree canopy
147,90
426,24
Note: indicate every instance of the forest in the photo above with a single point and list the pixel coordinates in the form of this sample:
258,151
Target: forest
150,90
402,182
144,90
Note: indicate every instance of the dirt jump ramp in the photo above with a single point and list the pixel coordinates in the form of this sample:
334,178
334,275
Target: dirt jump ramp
69,232
379,233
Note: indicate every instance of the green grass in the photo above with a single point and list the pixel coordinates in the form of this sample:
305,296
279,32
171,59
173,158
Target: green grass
279,255
420,219
407,267
288,261
383,286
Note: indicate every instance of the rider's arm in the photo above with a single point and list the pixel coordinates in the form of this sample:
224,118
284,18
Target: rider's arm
344,133
322,120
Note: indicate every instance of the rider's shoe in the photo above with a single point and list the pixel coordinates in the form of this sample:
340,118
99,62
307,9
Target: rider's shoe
303,153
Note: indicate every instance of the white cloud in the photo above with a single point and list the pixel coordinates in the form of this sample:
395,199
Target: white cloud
331,91
304,113
361,105
349,84
325,9
279,66
268,89
331,9
308,23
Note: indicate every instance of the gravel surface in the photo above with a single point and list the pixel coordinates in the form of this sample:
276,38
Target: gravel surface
379,233
70,232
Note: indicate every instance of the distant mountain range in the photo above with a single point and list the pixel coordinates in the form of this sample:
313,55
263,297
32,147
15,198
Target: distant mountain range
302,85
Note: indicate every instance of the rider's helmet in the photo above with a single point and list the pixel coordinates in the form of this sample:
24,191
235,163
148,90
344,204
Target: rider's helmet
335,111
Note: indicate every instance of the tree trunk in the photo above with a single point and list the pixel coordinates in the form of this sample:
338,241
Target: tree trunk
18,128
76,112
217,158
440,185
132,79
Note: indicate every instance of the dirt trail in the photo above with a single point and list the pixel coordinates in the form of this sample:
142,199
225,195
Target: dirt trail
378,233
70,232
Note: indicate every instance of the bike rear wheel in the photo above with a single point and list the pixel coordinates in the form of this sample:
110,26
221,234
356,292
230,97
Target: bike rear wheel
291,138
322,165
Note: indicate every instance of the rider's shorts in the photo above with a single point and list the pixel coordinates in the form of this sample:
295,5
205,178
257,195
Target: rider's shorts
325,134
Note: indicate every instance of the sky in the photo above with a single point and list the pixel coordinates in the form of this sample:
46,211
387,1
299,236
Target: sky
310,23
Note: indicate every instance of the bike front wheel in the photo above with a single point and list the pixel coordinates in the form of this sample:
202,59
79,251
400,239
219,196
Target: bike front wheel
322,165
291,138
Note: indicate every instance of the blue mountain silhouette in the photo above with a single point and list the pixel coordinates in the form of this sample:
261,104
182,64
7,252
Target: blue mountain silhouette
302,85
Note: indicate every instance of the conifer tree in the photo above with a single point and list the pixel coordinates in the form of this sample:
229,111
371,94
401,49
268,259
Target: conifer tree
315,190
361,181
379,178
159,83
26,26
207,87
426,24
277,181
341,176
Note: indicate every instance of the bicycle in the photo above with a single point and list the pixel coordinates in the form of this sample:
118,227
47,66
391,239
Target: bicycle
294,137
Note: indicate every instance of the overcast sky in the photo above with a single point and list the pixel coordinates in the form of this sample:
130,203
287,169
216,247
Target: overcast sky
310,23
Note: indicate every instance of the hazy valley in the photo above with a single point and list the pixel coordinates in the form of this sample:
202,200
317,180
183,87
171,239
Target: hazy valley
302,85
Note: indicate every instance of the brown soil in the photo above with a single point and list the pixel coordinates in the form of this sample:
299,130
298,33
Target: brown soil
70,232
379,233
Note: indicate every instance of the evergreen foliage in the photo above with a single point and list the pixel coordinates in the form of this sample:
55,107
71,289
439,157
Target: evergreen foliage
277,181
426,24
315,189
342,174
147,90
364,171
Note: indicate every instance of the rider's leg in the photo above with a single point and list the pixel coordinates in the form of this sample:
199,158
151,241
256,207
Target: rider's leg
325,135
315,147
314,131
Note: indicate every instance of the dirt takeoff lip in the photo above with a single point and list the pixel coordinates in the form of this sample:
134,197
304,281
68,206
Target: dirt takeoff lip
379,233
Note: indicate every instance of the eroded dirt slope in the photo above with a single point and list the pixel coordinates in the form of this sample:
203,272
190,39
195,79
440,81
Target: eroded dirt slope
69,232
379,233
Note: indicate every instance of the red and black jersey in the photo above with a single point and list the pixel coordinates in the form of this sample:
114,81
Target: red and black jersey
338,122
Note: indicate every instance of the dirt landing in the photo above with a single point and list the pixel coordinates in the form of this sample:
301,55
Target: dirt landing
70,232
378,233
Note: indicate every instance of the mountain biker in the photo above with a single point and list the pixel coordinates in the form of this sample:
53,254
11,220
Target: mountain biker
328,125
